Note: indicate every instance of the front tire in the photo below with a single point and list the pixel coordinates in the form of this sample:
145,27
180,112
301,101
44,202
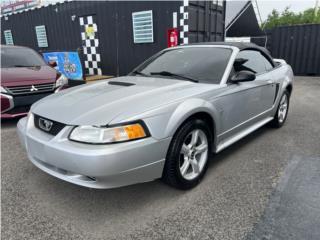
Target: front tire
188,155
282,112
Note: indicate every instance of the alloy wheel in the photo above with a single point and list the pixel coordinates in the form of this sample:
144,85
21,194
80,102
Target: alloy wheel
283,108
193,154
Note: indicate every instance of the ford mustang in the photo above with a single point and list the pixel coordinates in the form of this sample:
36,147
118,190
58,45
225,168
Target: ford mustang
164,120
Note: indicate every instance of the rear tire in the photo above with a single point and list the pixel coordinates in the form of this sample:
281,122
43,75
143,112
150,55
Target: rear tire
188,155
282,111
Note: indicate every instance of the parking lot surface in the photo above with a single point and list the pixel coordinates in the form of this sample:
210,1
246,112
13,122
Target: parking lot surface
293,212
228,204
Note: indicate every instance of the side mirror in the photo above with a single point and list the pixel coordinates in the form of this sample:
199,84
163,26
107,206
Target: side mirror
240,61
53,64
243,76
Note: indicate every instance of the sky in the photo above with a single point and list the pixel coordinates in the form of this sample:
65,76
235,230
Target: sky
266,6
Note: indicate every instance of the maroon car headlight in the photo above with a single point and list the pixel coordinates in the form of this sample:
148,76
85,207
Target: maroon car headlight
61,80
3,90
5,103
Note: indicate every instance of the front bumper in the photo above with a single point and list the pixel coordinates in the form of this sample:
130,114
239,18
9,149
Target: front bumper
18,106
94,166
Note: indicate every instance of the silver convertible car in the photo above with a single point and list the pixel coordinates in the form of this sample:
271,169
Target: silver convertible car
163,120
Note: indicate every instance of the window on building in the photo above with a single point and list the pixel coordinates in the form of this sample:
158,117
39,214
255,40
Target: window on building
220,3
142,23
8,37
41,36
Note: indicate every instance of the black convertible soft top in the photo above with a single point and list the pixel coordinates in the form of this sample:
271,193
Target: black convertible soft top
241,46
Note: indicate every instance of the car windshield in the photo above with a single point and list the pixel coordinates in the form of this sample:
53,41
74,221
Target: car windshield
20,57
198,64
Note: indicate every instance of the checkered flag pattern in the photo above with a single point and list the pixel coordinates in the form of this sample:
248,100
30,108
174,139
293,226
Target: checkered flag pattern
184,27
90,40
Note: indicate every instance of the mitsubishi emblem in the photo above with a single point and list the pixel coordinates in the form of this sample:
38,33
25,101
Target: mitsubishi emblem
33,88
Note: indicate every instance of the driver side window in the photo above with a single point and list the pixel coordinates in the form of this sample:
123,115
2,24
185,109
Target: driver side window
253,61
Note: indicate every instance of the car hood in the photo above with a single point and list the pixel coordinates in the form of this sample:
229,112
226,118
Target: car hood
124,97
27,75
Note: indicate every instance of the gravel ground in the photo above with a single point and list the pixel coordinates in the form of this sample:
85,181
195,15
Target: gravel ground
226,205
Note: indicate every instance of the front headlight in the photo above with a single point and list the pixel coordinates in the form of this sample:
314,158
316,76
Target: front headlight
104,135
62,80
3,90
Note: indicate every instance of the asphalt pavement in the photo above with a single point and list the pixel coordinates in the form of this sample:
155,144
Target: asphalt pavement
233,201
293,212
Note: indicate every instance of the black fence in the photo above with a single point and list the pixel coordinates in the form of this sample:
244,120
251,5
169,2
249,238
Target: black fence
299,45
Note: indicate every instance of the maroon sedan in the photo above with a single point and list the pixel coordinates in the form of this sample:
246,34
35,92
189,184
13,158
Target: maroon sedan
25,78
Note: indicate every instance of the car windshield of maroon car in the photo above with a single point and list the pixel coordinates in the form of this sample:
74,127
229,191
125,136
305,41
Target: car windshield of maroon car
20,57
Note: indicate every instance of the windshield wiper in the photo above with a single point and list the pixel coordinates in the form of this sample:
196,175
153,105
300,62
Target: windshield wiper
170,74
25,66
141,73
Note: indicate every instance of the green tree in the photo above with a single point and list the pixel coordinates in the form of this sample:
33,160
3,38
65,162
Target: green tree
287,17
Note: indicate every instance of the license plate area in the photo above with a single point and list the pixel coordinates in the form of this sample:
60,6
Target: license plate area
36,149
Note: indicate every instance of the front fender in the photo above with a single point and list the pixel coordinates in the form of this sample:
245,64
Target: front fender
186,110
285,78
288,79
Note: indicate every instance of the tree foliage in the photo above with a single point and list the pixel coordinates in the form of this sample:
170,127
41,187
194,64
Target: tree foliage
288,17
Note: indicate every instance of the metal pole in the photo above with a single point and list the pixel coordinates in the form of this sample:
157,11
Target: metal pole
316,8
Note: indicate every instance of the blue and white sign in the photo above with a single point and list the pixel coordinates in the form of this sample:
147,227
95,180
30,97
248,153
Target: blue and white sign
68,63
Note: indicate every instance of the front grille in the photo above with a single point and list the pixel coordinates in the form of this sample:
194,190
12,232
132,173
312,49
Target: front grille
55,128
31,89
19,109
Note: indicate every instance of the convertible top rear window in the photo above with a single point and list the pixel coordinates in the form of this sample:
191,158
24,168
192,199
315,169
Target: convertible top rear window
204,64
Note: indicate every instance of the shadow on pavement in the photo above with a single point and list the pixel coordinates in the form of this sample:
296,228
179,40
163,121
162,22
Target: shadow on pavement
293,211
9,123
238,145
